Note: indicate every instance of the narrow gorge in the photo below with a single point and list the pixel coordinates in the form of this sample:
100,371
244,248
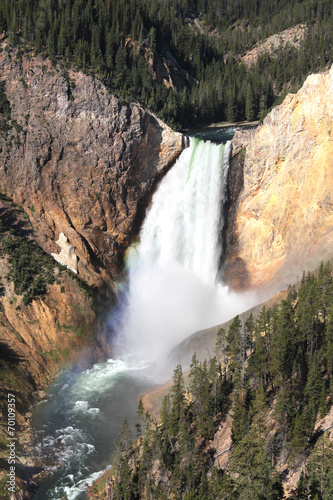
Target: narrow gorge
78,172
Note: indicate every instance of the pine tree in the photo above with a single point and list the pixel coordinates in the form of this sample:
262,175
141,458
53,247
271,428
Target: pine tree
252,473
234,337
319,469
283,346
250,113
178,401
122,446
231,111
220,347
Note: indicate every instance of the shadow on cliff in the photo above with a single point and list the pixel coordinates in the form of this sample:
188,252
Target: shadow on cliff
141,154
232,269
7,354
23,474
13,218
21,471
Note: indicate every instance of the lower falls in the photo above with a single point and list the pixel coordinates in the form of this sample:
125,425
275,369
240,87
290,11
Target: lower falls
173,289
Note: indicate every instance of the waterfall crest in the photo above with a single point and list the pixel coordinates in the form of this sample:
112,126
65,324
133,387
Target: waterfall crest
173,269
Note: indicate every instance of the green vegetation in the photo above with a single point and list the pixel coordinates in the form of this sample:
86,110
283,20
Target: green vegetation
31,269
81,332
4,104
5,112
4,375
10,375
275,373
3,486
317,481
116,40
54,355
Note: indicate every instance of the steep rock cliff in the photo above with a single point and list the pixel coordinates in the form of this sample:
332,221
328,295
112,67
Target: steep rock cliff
78,162
39,332
281,175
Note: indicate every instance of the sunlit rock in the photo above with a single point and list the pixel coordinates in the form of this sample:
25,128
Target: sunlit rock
67,255
281,177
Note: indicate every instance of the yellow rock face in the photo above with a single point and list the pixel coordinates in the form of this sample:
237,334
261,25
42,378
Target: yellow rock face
53,329
282,220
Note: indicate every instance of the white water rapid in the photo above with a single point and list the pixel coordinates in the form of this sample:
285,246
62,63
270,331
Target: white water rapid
173,270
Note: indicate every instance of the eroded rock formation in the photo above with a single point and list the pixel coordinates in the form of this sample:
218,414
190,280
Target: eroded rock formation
36,336
78,162
67,256
281,177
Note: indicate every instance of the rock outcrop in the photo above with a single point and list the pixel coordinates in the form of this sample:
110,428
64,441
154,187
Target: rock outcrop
78,162
281,201
291,37
67,256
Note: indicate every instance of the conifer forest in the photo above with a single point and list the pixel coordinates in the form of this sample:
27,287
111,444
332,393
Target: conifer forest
274,374
126,42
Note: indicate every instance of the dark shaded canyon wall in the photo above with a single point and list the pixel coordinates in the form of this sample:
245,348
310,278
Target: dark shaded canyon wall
78,162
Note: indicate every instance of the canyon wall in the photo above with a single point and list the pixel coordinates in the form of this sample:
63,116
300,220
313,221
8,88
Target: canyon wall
79,162
81,168
281,176
38,334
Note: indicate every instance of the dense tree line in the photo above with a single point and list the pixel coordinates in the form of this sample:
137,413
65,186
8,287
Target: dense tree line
275,374
118,41
30,268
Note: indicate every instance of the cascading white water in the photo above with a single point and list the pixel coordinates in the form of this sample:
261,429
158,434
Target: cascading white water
184,222
173,269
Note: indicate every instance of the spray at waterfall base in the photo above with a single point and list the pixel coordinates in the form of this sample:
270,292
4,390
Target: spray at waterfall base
173,289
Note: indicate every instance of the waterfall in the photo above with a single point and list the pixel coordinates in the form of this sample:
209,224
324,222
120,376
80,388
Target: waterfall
172,292
173,289
184,222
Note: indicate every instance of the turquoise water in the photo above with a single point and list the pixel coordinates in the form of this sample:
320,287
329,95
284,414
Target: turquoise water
80,420
215,134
